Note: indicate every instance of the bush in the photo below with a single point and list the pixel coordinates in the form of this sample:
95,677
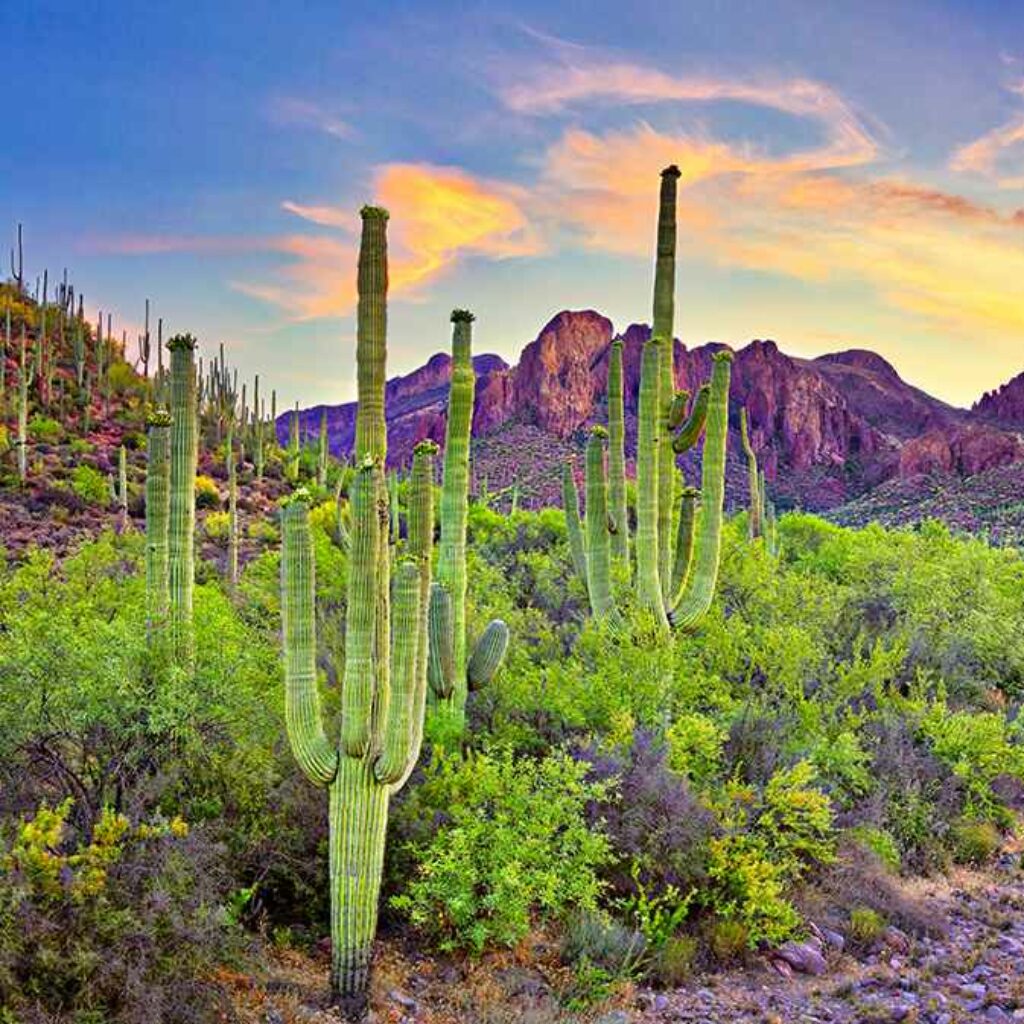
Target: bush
90,485
515,843
879,842
974,842
207,493
659,830
44,429
866,925
121,925
216,525
728,939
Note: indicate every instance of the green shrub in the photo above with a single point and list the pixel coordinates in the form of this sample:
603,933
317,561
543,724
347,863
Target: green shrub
673,964
879,842
728,939
516,844
866,925
44,429
216,525
797,820
207,493
80,446
974,842
90,485
695,747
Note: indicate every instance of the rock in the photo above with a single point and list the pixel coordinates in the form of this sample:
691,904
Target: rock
896,940
401,999
272,1016
973,990
802,957
614,1017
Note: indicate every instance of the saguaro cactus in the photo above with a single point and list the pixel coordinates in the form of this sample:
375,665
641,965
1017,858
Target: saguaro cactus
384,685
617,454
182,509
229,454
25,377
754,481
452,674
158,512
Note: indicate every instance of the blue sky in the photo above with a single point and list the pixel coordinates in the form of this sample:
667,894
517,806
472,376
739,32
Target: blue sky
852,172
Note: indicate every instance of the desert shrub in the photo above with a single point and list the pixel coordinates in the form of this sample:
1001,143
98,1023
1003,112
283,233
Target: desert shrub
879,842
797,820
866,925
603,954
123,380
658,829
207,493
728,940
80,446
514,843
756,746
119,925
974,842
216,525
90,485
44,429
695,744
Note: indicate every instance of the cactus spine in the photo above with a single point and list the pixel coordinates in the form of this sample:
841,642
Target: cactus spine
754,481
452,674
383,698
182,507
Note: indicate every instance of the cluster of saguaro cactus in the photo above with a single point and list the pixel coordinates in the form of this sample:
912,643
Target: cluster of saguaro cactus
452,672
385,678
676,557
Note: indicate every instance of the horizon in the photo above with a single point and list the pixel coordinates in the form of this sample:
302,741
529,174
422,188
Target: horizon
827,202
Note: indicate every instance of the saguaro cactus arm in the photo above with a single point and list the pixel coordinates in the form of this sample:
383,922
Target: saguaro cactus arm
690,430
684,540
441,668
488,654
317,758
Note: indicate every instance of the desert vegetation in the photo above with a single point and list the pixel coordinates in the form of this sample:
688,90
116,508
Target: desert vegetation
619,750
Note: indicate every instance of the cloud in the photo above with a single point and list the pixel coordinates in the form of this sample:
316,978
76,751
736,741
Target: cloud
439,216
987,156
306,114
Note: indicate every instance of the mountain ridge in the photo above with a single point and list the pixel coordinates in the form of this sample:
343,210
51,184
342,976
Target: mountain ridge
827,429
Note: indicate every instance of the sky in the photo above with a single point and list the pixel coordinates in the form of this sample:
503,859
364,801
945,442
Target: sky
852,172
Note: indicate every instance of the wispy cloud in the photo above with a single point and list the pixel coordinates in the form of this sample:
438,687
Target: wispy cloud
988,155
307,114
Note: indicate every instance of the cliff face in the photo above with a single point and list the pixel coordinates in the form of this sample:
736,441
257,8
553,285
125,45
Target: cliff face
825,429
1005,405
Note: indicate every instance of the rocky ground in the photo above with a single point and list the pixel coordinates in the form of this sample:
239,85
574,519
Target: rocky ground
968,971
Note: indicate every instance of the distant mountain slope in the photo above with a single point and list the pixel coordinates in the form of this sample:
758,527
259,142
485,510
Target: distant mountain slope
826,429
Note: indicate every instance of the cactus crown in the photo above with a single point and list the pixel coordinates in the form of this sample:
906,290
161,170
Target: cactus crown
462,316
374,213
671,171
158,418
426,447
182,341
724,356
300,496
598,431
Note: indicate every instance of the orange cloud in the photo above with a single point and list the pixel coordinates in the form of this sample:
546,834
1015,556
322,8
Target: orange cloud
986,156
439,215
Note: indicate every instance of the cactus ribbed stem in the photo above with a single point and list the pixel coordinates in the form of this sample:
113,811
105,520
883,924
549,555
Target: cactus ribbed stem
229,451
122,483
753,479
684,539
322,452
372,326
697,595
181,532
648,579
617,454
384,686
158,510
690,430
574,529
664,328
602,603
451,558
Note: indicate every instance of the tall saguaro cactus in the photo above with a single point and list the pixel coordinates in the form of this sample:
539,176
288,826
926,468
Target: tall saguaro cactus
158,512
452,673
182,508
384,685
617,454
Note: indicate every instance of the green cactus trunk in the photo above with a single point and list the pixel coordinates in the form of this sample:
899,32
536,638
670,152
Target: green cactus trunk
294,446
452,672
664,328
384,685
648,469
599,559
182,513
25,375
322,453
122,485
617,454
229,451
754,517
574,529
158,511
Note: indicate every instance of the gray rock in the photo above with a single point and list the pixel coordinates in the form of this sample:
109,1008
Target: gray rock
802,957
407,1002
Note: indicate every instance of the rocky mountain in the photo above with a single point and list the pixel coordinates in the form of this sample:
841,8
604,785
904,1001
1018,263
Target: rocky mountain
826,429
